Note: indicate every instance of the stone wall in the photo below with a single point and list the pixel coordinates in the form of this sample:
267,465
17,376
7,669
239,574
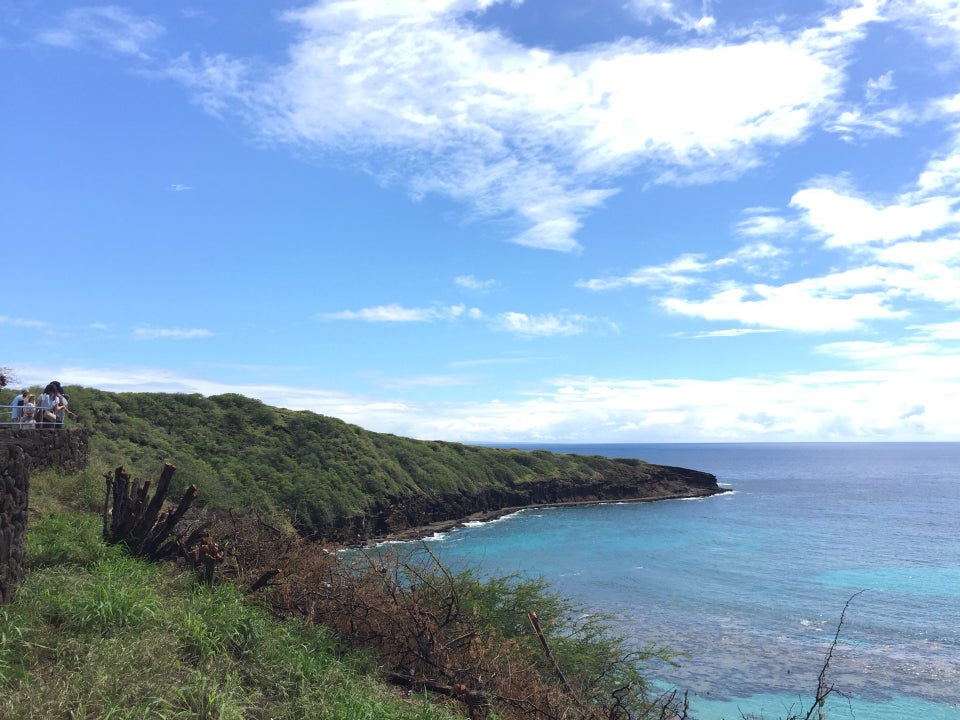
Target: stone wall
14,485
67,449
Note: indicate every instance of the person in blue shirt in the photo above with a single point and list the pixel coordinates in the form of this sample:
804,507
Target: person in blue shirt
17,403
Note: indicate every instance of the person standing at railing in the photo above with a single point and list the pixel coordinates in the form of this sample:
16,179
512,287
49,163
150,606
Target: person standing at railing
61,403
27,410
50,406
16,404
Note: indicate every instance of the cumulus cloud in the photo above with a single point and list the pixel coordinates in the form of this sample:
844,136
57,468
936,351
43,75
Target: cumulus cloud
813,305
845,219
108,27
419,92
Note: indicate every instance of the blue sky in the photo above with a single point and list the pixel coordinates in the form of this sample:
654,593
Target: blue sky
482,220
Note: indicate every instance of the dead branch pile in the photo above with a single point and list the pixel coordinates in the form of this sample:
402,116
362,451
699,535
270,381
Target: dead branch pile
146,526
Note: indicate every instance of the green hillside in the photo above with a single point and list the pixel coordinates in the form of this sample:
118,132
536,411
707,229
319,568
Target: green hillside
314,468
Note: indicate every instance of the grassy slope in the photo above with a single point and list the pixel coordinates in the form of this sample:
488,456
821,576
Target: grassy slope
242,452
96,634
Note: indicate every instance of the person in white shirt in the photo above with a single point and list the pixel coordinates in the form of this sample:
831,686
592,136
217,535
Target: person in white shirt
49,404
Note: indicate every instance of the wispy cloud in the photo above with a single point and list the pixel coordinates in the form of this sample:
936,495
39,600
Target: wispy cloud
21,322
517,323
733,332
549,324
148,333
469,282
479,362
107,27
178,187
682,271
888,253
422,93
688,14
395,313
418,381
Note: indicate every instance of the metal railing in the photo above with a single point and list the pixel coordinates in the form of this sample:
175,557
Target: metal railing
9,411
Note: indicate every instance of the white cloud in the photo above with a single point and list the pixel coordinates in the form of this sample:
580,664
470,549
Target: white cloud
148,333
419,92
179,187
847,220
908,391
677,272
733,332
850,405
937,22
395,313
765,222
469,282
939,331
688,14
878,86
418,381
21,322
760,258
859,124
826,304
925,270
546,325
109,26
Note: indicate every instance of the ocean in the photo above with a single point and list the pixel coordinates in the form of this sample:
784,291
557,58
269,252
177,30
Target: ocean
750,585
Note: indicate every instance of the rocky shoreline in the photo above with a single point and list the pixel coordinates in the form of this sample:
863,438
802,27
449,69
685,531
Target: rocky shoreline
415,516
423,532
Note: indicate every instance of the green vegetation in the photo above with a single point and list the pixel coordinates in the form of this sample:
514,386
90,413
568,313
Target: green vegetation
96,634
310,467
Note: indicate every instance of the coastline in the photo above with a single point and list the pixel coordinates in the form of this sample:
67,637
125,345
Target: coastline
422,532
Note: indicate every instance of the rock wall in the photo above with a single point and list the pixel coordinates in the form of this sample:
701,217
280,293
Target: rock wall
67,449
21,451
14,487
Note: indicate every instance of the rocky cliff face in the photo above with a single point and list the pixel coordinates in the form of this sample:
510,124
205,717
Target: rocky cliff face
14,488
412,516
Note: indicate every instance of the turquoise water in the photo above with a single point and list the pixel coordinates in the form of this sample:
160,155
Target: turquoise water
751,584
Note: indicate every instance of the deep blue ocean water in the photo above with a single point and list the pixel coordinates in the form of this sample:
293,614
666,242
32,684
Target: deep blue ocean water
750,585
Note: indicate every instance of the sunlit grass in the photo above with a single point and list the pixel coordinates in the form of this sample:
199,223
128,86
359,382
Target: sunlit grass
94,633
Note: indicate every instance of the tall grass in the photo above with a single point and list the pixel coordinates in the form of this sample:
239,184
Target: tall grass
96,634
